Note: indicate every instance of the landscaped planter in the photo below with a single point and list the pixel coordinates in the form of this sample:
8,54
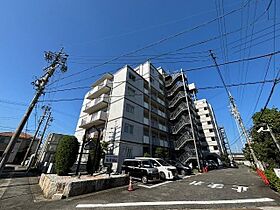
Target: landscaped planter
67,186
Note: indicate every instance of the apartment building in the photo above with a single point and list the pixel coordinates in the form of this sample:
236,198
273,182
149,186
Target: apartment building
211,141
141,109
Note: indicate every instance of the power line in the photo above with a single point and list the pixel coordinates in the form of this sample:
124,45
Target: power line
140,94
157,42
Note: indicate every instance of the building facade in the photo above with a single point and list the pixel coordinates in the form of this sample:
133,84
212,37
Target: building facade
139,110
211,141
20,148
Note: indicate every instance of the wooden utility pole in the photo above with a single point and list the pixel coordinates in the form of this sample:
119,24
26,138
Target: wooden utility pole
56,60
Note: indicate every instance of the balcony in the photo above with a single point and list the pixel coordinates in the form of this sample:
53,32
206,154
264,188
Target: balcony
161,101
146,91
146,140
146,121
146,105
100,89
162,127
97,104
161,113
95,119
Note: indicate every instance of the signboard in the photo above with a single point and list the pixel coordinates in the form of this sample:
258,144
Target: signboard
277,172
111,159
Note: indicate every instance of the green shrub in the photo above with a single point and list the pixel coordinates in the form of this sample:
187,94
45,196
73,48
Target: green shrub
273,179
66,154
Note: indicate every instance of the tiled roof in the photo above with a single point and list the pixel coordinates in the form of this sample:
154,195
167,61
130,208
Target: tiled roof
22,135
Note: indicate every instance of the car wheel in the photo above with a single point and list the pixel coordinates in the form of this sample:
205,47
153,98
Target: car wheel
183,172
162,176
144,179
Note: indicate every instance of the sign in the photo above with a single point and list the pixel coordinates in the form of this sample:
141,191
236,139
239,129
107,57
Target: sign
277,172
111,159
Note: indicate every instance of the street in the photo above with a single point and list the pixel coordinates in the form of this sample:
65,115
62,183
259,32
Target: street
218,189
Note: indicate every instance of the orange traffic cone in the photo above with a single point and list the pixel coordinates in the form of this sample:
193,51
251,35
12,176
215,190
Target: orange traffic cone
130,186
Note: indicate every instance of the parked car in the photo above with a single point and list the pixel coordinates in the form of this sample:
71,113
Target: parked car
211,164
166,171
181,168
140,169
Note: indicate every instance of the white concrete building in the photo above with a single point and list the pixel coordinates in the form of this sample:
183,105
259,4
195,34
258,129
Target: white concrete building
141,109
210,135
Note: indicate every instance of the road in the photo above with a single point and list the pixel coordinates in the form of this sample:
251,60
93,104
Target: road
218,189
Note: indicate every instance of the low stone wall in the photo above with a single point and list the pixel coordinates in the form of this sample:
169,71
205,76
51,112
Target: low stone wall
66,186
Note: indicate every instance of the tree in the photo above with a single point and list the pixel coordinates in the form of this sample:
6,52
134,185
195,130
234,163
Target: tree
161,152
262,143
66,154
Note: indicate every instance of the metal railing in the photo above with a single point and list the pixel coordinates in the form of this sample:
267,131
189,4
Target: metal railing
178,110
179,125
174,88
190,153
173,77
187,136
176,98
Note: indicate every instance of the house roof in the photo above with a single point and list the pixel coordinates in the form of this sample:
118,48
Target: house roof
21,136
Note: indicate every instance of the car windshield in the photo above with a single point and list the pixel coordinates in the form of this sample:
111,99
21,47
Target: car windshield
163,163
147,164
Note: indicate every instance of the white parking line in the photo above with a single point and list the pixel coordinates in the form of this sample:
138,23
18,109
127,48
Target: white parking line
156,185
163,203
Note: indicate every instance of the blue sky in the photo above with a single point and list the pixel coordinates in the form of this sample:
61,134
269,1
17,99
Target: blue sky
95,31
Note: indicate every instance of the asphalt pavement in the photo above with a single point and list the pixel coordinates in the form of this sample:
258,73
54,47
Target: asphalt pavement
217,189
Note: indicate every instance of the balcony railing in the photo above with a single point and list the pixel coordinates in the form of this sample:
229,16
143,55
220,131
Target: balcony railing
187,136
97,103
94,119
101,88
146,140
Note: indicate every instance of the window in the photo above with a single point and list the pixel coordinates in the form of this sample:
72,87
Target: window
215,147
211,130
205,108
129,108
131,76
131,92
128,128
213,139
209,122
207,115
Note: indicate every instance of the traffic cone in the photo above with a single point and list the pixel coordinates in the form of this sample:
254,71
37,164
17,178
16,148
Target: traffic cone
130,186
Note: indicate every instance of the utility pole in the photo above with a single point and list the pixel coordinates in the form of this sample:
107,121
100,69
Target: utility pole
56,60
49,119
46,109
271,133
237,115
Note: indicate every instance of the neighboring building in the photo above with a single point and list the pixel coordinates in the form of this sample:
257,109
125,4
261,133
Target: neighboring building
141,109
47,154
20,148
212,145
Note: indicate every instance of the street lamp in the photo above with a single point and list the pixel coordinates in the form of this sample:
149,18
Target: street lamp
262,129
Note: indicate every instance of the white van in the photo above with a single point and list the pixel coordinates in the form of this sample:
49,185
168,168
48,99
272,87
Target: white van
166,171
